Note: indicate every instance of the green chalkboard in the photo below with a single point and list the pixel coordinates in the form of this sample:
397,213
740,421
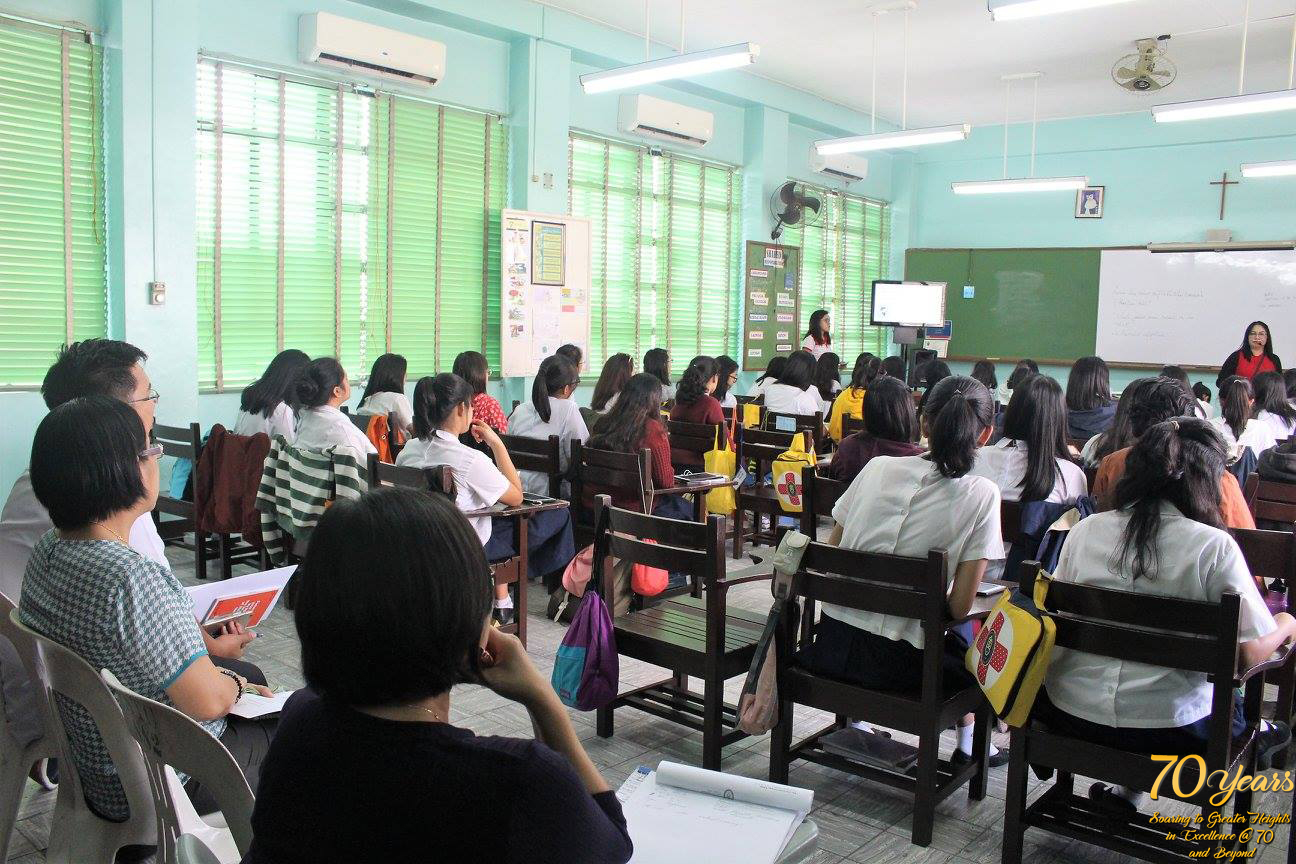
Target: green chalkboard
1038,303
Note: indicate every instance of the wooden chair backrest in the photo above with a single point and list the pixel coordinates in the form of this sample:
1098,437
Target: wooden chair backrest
851,425
1269,554
874,582
360,421
543,455
820,495
594,471
1010,519
812,423
695,439
676,546
763,447
436,478
1272,500
182,442
743,400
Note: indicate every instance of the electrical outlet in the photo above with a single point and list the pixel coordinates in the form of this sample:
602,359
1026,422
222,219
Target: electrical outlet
157,293
548,180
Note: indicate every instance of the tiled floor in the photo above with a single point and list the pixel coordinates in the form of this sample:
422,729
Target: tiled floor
859,821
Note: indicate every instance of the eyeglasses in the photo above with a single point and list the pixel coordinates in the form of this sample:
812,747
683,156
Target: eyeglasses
151,452
151,397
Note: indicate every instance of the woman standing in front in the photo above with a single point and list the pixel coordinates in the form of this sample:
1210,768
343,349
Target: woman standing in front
818,338
1255,356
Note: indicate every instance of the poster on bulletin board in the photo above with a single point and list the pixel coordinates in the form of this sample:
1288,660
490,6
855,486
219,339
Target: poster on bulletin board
772,303
545,288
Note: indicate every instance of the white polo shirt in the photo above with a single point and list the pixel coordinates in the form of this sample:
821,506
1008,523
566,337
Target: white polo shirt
478,483
1282,430
787,399
396,404
1256,434
324,427
1194,562
901,505
281,421
565,421
1005,464
809,344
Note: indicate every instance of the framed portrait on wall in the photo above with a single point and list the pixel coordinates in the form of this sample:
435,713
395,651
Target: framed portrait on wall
1089,202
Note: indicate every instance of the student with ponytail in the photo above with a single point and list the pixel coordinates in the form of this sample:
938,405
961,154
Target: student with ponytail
443,412
1165,538
551,411
321,390
694,402
1237,423
909,505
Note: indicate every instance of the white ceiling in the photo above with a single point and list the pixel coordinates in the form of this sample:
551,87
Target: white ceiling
956,53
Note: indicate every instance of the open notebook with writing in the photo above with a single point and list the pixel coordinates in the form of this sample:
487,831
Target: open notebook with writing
681,813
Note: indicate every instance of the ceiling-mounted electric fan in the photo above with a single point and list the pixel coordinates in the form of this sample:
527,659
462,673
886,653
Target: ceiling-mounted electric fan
1146,71
792,205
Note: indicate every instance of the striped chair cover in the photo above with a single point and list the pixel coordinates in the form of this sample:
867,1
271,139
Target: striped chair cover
296,487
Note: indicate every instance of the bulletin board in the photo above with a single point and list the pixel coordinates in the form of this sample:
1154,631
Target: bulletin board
771,303
544,290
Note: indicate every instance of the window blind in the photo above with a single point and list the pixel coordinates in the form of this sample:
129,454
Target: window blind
53,285
665,240
845,249
342,223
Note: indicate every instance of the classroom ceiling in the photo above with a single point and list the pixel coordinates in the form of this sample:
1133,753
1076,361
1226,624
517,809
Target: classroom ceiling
957,54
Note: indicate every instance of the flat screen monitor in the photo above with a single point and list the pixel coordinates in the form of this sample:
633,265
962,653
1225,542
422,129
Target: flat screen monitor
908,304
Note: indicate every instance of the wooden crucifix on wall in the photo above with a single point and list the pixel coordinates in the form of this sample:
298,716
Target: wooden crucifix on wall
1223,183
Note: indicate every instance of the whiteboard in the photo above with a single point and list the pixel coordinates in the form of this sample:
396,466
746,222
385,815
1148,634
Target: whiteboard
1190,308
544,288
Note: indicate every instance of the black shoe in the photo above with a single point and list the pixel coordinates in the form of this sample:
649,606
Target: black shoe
998,760
1110,803
504,616
1270,742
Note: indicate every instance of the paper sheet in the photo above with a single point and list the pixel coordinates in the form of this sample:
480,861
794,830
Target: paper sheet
204,595
253,705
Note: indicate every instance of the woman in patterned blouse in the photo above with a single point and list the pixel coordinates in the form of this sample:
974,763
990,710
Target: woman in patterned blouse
472,367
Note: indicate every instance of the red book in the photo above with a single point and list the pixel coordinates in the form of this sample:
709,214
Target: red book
252,605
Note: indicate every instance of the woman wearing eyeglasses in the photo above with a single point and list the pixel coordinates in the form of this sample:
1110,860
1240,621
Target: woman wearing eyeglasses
88,590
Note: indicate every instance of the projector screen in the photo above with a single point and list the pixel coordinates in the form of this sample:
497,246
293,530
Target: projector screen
908,304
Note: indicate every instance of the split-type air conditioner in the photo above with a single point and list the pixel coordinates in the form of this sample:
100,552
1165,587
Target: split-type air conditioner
650,117
843,166
332,40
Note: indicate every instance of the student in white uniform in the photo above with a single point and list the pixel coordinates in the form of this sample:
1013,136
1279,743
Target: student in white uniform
267,403
1164,538
384,393
726,380
321,391
1236,423
1275,410
770,376
574,354
1178,374
551,411
827,380
794,393
818,338
442,413
617,370
909,505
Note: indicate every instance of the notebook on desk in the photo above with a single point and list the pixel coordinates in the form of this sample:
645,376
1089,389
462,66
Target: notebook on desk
680,813
532,500
685,478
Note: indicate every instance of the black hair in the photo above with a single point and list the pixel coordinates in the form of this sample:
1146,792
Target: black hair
1271,396
85,460
572,353
315,385
386,376
957,411
889,411
692,384
799,371
921,358
725,366
1202,392
1120,434
1022,370
1236,397
932,373
1037,415
1178,374
1160,399
774,369
827,374
867,369
984,371
276,385
894,366
1246,347
813,331
623,427
435,398
1289,379
472,367
617,370
656,362
92,367
1088,385
419,635
555,373
1179,461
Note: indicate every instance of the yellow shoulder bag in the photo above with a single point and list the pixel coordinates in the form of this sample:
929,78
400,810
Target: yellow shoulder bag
1011,653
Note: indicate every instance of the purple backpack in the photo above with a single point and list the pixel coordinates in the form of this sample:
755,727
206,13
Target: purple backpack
586,667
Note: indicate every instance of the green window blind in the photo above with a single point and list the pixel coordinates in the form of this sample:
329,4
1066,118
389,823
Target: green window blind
323,216
53,285
845,249
664,249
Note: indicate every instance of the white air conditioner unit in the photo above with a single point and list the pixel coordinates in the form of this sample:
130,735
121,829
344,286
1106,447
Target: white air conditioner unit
666,121
331,40
844,166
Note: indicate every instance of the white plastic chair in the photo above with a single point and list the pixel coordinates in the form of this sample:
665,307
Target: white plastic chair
170,740
17,759
79,835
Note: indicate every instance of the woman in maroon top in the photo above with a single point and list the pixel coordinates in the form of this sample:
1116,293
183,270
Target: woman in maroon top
890,428
694,402
1255,356
633,424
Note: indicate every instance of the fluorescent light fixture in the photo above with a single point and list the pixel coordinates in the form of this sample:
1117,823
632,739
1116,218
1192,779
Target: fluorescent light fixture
678,66
1011,10
1226,106
890,140
1270,169
1232,246
1022,184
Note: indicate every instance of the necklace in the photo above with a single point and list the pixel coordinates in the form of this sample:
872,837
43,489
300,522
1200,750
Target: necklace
119,537
435,716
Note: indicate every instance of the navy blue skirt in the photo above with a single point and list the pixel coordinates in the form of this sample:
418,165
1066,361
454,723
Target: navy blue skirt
550,546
